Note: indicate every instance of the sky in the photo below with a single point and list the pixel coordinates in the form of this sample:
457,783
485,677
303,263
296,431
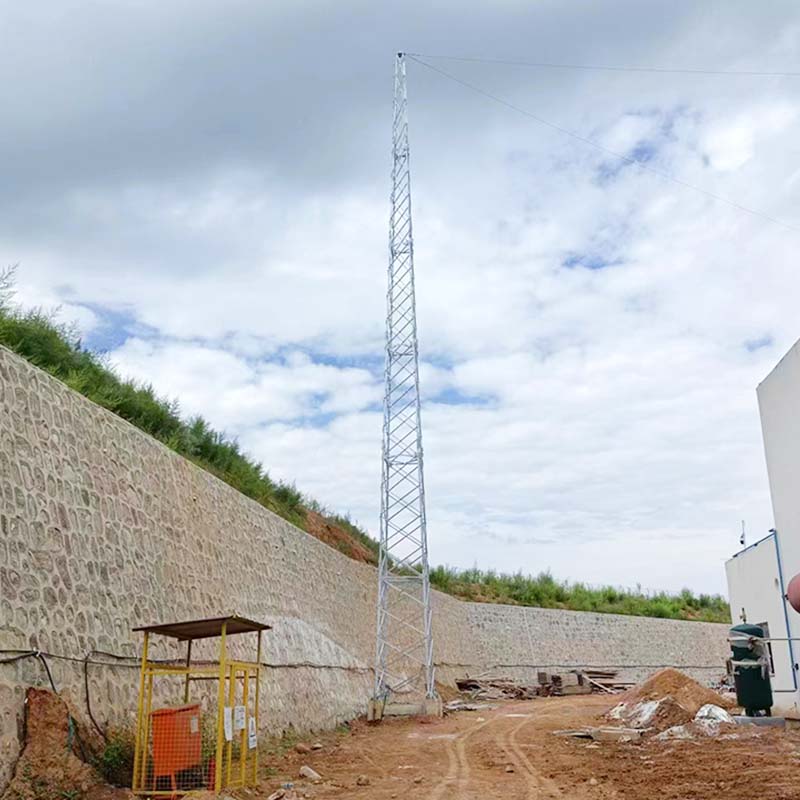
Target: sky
202,189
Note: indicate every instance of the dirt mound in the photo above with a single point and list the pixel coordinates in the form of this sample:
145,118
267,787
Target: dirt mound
338,538
48,767
668,714
685,691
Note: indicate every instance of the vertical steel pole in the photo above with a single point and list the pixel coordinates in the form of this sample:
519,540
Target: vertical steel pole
141,746
404,646
232,705
243,749
220,710
258,696
188,668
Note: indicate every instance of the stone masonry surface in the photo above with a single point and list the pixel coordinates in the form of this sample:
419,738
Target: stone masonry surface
103,528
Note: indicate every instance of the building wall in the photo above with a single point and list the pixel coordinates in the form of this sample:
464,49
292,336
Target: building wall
102,529
778,401
754,588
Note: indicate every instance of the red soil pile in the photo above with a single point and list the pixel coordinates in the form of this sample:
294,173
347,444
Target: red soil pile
47,767
338,538
669,714
687,693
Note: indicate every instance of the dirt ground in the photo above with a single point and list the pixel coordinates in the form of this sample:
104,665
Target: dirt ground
48,768
510,752
338,538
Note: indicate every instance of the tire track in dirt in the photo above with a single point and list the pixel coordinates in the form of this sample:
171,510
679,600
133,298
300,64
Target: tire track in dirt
538,785
458,771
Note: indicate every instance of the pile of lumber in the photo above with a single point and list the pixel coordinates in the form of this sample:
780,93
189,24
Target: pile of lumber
557,685
549,684
604,681
496,689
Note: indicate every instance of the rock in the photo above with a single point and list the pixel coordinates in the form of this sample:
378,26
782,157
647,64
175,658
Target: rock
618,712
675,732
641,714
592,781
419,779
307,772
316,746
302,747
362,780
615,734
509,768
277,795
713,713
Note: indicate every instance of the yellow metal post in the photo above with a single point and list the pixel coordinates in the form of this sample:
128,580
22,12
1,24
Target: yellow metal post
188,667
220,711
243,737
137,755
148,706
258,695
231,705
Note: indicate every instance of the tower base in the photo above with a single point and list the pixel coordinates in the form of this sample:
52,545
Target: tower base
427,707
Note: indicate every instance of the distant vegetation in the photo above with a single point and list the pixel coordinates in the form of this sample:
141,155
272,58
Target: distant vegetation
544,591
57,349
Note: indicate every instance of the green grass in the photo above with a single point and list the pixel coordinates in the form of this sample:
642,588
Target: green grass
544,591
34,335
115,760
57,349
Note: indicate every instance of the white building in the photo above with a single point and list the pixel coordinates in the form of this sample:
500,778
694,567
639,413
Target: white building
758,575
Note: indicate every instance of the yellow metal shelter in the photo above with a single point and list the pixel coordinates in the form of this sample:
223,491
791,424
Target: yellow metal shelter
197,721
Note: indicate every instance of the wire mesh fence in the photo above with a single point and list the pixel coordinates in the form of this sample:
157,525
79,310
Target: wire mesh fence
197,724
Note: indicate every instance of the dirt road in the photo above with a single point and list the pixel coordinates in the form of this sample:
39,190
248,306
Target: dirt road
509,752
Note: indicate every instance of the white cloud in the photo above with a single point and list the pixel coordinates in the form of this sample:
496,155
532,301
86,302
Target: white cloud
732,140
592,334
235,394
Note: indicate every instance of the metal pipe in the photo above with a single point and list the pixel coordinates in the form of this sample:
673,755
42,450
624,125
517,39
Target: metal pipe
785,611
188,667
220,710
763,639
141,745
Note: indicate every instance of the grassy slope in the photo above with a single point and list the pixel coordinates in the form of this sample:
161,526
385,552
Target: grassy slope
55,349
544,591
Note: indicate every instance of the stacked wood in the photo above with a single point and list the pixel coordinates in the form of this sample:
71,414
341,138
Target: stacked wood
496,689
548,685
604,681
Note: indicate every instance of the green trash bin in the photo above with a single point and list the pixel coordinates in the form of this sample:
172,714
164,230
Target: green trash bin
750,662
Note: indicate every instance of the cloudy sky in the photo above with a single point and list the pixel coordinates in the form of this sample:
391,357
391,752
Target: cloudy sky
203,187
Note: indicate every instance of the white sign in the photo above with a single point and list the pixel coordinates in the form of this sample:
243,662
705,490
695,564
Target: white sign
227,719
239,715
252,736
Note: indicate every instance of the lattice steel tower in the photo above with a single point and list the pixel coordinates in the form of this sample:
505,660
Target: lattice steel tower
404,658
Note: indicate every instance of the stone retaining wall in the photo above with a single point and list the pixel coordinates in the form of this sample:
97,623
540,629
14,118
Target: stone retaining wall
102,528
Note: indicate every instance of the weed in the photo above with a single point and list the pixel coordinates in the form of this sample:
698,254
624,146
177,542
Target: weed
115,761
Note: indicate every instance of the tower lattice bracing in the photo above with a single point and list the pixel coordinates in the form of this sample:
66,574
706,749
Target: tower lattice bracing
404,659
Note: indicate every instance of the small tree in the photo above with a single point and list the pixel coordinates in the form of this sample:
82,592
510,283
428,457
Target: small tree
7,277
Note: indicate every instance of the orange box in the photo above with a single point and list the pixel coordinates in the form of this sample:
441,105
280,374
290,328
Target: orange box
177,740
